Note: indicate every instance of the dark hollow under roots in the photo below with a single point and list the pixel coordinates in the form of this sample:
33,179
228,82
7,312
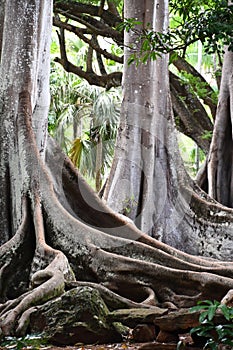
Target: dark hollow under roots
69,238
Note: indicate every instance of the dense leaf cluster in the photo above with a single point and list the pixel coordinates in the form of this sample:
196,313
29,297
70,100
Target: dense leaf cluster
210,21
214,333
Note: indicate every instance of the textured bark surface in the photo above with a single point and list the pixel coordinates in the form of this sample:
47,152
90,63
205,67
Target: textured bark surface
141,146
183,65
148,182
220,156
59,239
186,105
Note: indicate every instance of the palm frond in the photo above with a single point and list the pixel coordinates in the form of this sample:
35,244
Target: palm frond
75,152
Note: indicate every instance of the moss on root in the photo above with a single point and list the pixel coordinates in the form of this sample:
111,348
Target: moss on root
79,315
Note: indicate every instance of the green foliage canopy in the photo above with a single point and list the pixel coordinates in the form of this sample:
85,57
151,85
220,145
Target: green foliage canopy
210,21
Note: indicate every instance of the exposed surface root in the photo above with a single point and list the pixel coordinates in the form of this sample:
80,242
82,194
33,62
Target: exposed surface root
45,284
14,263
113,301
49,289
83,204
128,268
228,298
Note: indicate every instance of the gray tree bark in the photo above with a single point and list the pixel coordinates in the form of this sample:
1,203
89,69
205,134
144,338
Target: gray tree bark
148,182
56,234
140,150
25,40
220,156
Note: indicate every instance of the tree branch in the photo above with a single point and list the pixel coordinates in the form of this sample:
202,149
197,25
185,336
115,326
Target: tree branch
99,58
107,81
76,9
194,119
112,8
182,64
89,68
80,34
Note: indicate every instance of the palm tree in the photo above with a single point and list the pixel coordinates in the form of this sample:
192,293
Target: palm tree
63,110
93,149
83,119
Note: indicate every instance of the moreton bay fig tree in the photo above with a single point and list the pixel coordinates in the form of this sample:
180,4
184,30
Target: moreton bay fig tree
148,181
66,258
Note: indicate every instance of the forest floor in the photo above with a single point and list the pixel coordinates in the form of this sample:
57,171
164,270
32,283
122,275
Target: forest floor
125,346
122,346
116,346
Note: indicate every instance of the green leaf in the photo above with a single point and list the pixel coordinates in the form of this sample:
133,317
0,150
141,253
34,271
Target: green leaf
227,311
211,312
173,57
145,45
203,316
211,344
145,57
228,342
196,308
131,59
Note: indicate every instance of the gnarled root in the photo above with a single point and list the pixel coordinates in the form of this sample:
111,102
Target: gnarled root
45,284
14,262
228,299
115,301
50,288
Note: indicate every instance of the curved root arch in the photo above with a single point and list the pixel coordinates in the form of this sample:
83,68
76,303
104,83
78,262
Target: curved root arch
77,237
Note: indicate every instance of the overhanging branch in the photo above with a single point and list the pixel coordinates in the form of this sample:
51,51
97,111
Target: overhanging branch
79,33
107,81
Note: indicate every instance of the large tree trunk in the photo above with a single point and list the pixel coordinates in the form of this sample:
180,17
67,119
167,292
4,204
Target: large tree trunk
55,231
220,156
25,73
140,157
190,115
148,181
